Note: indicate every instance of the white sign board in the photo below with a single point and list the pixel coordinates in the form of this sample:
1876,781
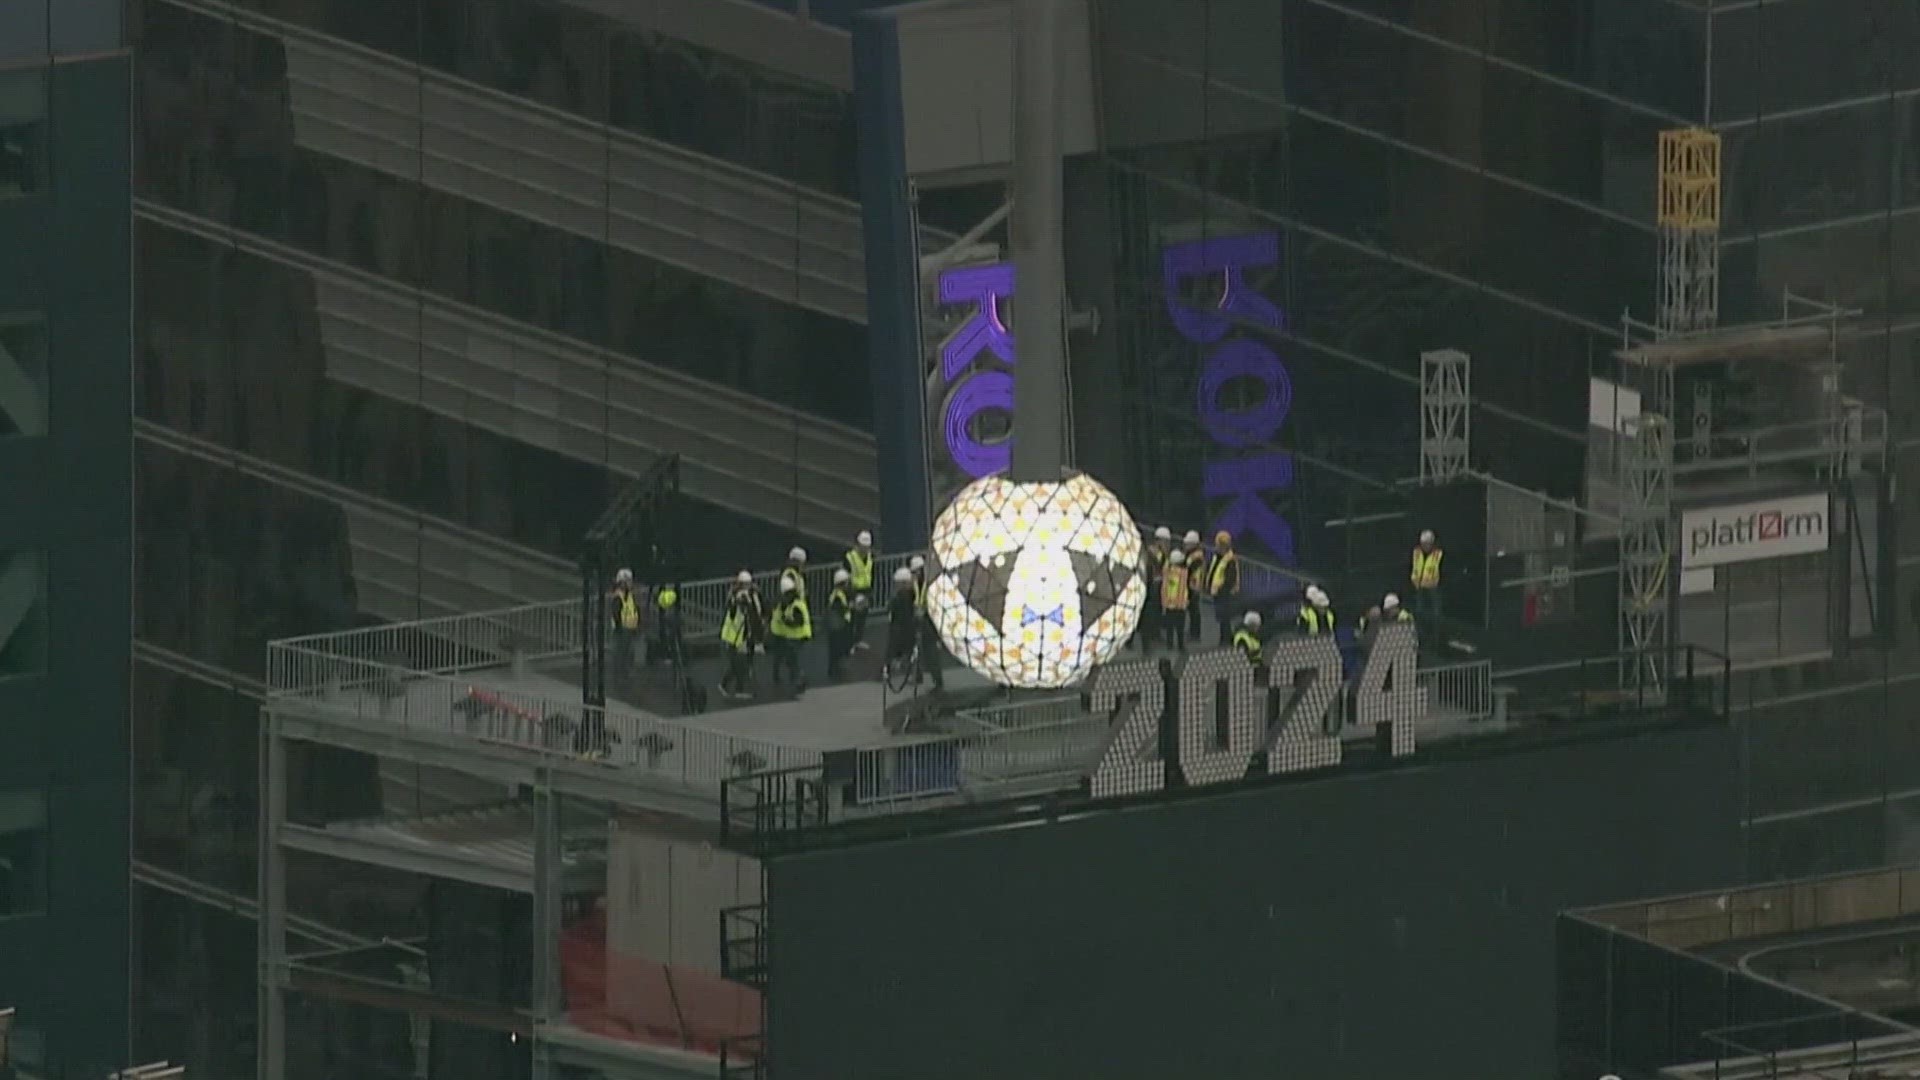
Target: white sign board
1796,525
1610,406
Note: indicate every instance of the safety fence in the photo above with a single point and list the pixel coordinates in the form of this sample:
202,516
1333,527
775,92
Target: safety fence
654,749
1461,690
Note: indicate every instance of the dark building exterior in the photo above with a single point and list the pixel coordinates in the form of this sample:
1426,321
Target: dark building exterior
422,283
65,537
1360,925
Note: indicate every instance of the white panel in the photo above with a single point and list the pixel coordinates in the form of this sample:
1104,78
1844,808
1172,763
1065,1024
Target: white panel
1610,406
956,84
1696,581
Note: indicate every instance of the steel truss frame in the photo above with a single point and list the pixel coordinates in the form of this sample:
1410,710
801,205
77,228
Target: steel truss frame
1446,414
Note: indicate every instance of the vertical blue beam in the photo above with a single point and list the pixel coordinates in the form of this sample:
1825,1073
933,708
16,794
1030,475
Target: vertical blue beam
893,282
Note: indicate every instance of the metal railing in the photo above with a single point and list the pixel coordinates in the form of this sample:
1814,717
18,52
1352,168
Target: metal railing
693,757
1464,689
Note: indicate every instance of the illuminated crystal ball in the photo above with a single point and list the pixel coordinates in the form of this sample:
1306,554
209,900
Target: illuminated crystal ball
1035,584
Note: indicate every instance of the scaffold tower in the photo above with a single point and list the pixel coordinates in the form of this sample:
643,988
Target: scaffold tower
1688,202
1689,210
1445,415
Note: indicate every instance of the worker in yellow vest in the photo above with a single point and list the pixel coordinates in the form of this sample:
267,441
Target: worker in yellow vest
740,633
1247,637
1425,578
667,642
1223,582
1176,596
859,560
931,651
625,617
840,622
1195,560
789,631
1316,615
1388,612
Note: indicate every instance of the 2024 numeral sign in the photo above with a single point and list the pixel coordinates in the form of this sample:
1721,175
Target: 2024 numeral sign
1226,713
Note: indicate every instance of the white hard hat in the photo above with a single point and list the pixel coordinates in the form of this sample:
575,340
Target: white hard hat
1193,537
743,578
797,555
1252,620
916,563
865,539
623,575
841,577
1163,533
788,585
1175,558
1318,597
1426,536
903,575
1391,600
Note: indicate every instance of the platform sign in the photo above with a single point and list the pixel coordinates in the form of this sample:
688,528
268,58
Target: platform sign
1772,529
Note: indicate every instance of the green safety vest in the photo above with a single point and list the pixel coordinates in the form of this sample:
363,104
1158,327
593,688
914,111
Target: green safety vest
792,621
1315,620
793,574
666,598
860,569
733,630
1248,642
840,602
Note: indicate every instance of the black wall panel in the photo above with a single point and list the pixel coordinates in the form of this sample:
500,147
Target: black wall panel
1356,926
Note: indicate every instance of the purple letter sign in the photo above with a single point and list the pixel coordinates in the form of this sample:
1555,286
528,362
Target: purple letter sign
1237,477
970,395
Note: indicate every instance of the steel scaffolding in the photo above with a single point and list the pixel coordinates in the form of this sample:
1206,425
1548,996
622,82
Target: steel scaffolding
1689,212
1445,414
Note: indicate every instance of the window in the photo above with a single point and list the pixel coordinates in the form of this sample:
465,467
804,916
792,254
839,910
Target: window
23,615
23,133
23,854
23,376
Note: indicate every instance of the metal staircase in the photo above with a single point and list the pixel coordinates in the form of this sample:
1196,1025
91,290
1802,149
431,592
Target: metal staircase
738,451
645,196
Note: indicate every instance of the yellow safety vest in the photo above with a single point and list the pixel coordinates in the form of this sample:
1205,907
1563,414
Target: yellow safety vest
792,621
1426,568
919,597
1315,620
629,612
840,602
1219,574
860,569
1399,615
1247,642
793,574
666,598
1173,592
1196,567
733,630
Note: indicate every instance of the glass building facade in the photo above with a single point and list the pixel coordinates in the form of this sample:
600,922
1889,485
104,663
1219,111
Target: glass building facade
65,531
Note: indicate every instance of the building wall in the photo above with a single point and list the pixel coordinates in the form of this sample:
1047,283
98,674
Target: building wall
64,317
1362,926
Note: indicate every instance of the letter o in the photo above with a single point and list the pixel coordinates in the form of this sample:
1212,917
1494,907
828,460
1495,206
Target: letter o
976,394
1244,359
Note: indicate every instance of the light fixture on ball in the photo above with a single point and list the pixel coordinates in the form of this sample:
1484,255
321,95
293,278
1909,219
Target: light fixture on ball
1036,574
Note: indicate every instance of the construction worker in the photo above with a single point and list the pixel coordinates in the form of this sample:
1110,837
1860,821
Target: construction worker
626,623
840,622
1389,611
740,633
1247,637
667,642
789,632
859,560
1196,563
1223,582
1176,594
930,647
1425,577
1316,615
903,619
1153,563
795,570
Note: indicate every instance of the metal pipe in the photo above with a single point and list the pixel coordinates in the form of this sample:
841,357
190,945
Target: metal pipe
1038,248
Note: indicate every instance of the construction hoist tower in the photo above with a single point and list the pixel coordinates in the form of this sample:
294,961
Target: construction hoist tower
1689,300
